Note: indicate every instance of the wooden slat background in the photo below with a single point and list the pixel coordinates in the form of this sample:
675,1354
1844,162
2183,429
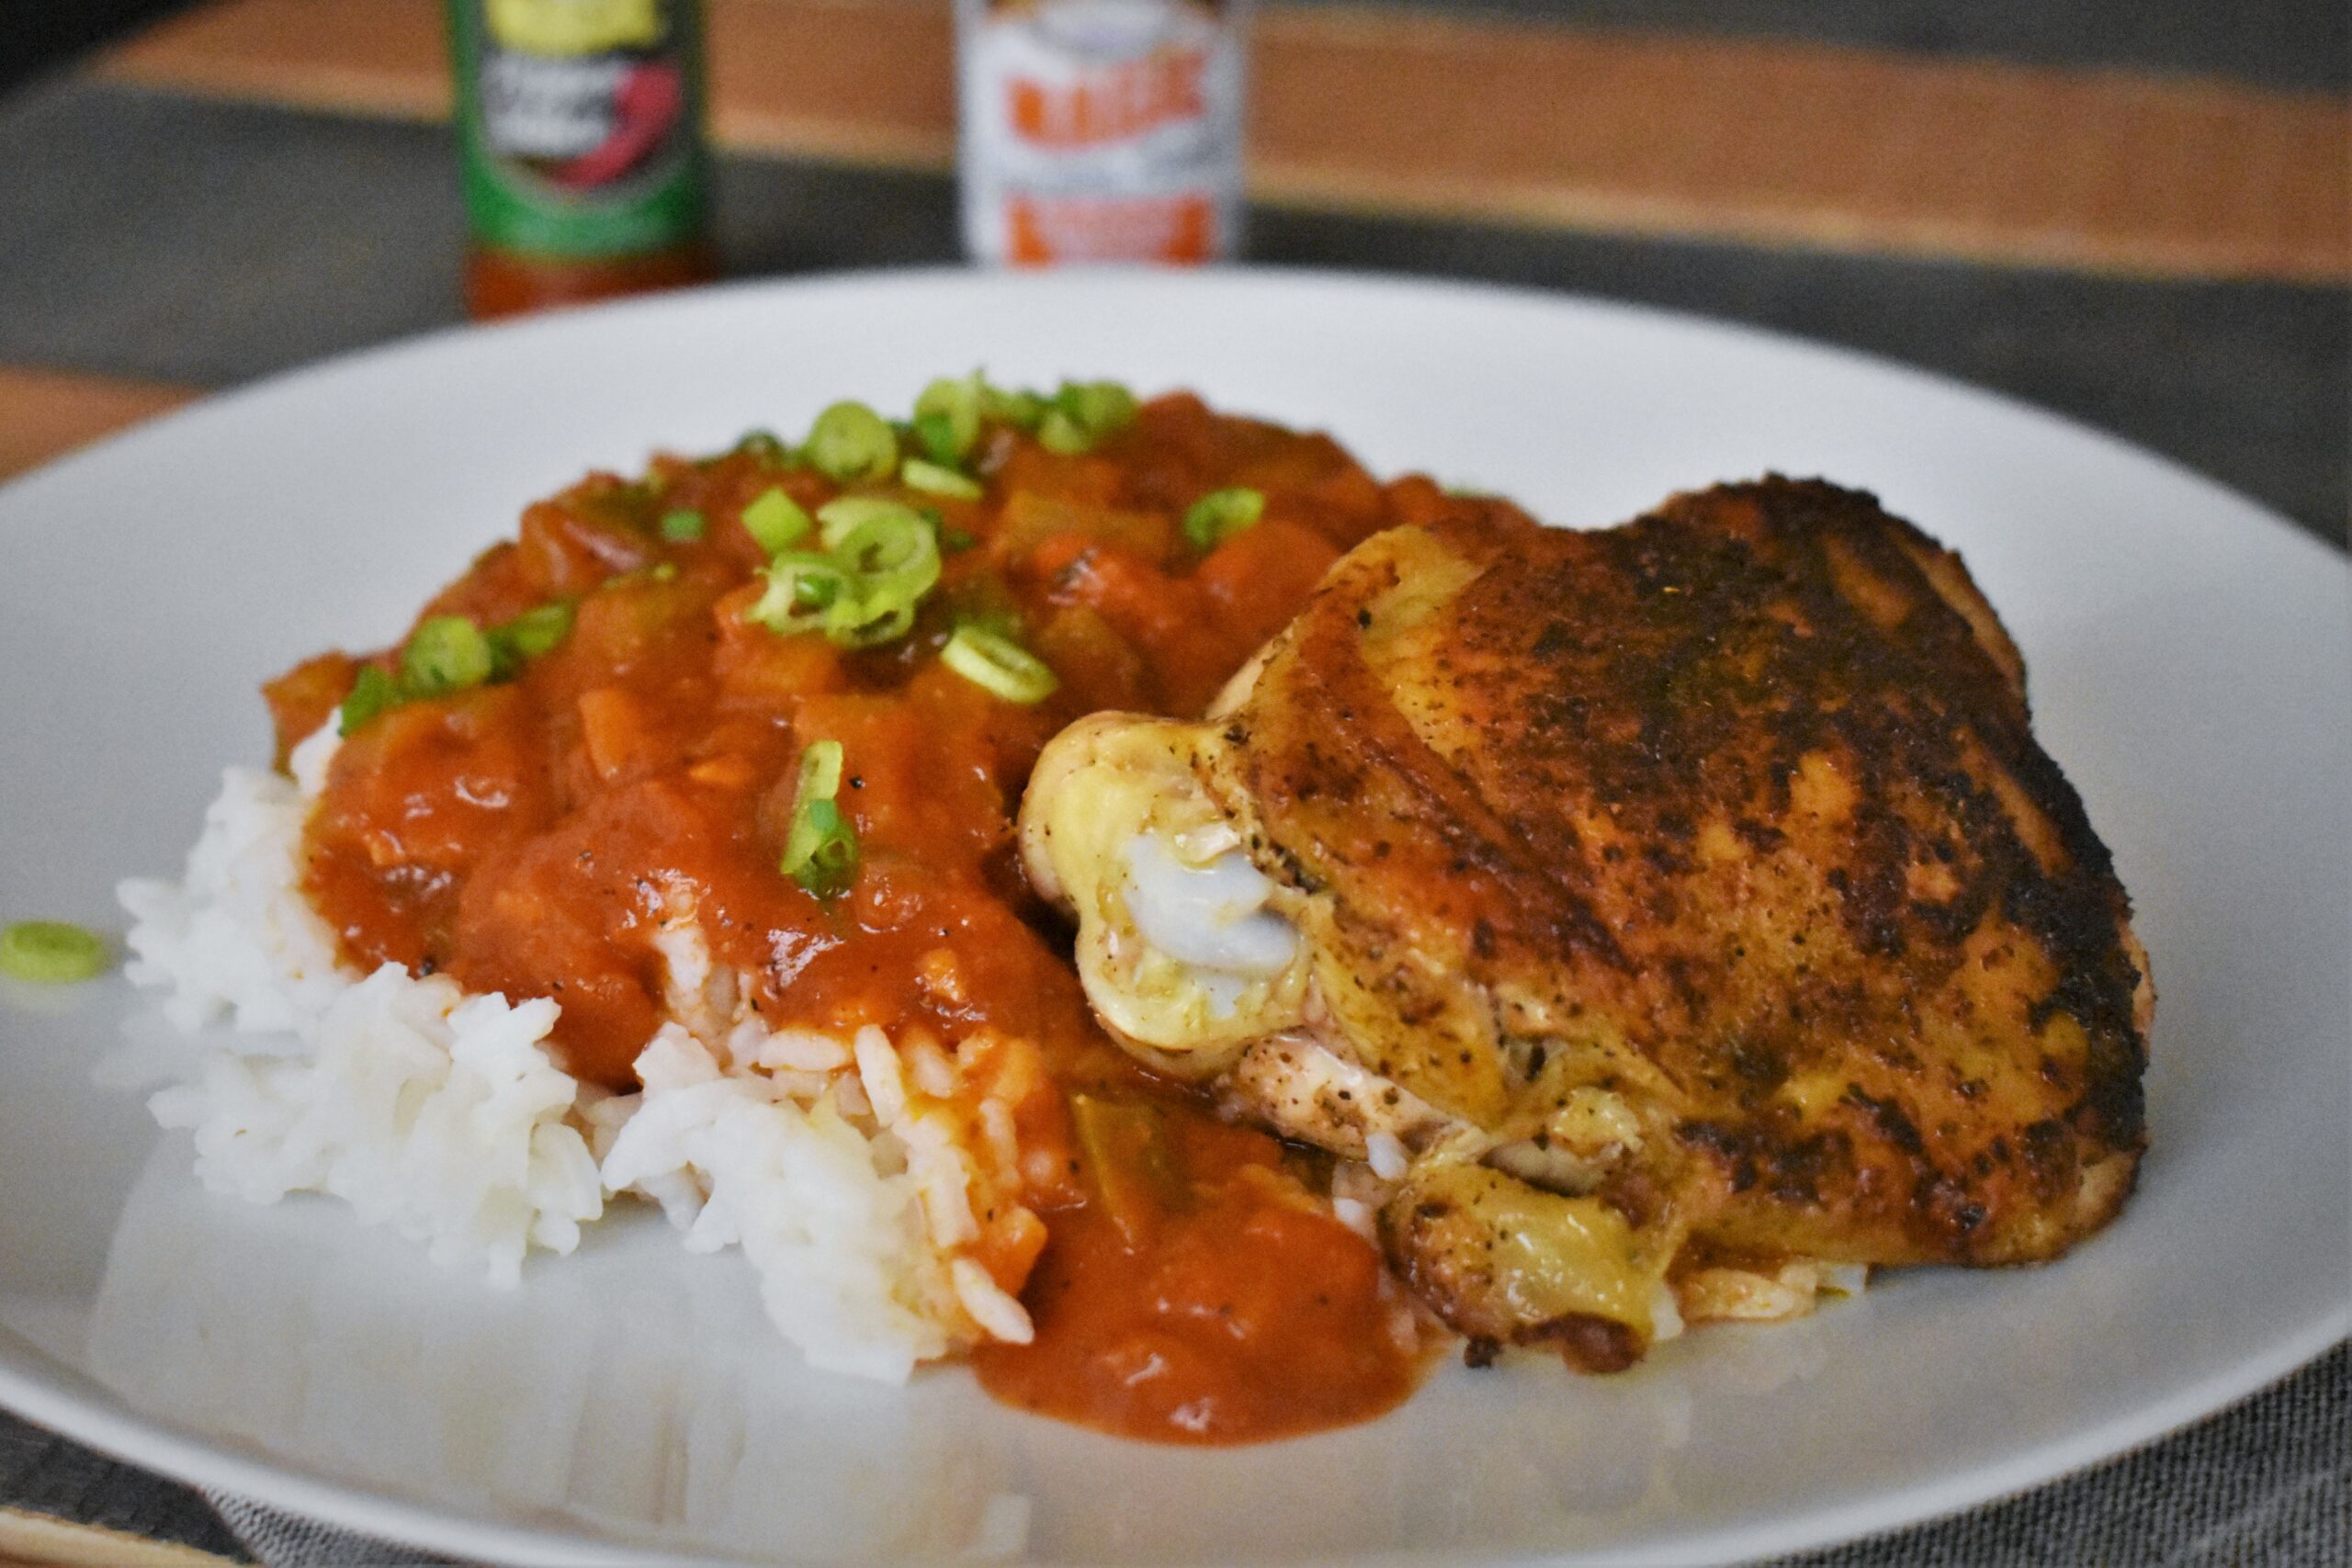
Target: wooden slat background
29,1539
46,413
1407,112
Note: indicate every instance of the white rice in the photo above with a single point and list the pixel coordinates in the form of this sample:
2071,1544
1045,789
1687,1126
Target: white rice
443,1116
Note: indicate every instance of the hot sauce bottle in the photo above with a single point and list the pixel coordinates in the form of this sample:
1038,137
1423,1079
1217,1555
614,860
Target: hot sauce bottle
1101,130
580,128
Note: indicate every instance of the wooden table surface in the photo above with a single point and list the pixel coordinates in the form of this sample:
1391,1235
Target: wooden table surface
2166,254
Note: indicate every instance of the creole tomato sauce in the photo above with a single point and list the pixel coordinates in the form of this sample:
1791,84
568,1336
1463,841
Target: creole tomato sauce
532,835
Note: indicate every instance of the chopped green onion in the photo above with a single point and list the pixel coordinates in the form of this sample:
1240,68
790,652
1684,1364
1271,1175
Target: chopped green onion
776,521
802,586
51,953
999,664
947,417
1082,414
885,558
1061,433
683,526
1099,407
893,562
821,846
953,539
446,653
449,653
371,693
1023,411
936,433
526,637
765,445
1222,514
893,551
821,771
934,480
870,623
822,853
851,442
539,630
843,513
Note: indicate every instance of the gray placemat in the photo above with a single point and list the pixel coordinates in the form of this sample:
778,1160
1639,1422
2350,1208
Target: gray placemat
280,1540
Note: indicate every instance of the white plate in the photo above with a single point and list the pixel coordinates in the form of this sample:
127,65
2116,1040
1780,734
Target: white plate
2189,668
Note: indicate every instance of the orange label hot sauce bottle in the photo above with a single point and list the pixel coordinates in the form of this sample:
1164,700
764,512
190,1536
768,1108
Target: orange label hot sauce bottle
580,130
1101,130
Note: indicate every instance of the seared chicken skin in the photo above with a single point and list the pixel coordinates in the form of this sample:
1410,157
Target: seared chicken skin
1670,917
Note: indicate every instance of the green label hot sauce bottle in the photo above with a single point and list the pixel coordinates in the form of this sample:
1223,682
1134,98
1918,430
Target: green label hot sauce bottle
580,131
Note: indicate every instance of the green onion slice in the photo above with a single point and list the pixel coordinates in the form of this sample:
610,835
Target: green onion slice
838,517
683,526
776,521
821,846
445,653
884,558
936,434
999,664
541,630
821,771
894,554
52,953
371,693
449,653
893,562
802,586
851,442
1099,407
765,445
933,479
1023,411
528,635
947,417
1222,514
1061,433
